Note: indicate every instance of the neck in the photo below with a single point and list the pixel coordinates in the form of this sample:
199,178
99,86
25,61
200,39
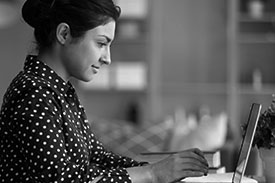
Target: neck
55,63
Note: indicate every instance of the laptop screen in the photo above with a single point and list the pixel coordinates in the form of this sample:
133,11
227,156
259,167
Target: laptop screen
247,142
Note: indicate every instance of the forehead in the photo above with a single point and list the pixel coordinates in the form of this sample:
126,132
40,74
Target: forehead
107,30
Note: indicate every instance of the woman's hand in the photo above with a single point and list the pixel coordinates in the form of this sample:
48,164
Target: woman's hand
189,163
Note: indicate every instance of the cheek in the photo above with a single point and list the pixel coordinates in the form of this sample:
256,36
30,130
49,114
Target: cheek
92,54
72,59
81,57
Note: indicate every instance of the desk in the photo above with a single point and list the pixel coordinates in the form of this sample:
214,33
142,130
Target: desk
260,179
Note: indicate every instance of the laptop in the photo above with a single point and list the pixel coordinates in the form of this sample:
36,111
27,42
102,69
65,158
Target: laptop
238,175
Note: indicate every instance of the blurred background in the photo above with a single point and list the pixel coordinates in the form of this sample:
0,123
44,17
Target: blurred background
182,65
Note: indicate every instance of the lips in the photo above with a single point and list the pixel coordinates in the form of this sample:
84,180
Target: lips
95,69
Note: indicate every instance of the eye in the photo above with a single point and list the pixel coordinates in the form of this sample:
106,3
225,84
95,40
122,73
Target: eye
102,44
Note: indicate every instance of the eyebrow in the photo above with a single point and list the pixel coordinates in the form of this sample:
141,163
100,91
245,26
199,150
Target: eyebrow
107,38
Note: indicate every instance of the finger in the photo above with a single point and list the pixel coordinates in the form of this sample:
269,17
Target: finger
191,173
191,164
196,151
186,161
194,167
195,156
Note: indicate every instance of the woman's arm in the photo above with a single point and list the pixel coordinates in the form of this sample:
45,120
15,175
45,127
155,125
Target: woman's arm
189,163
141,174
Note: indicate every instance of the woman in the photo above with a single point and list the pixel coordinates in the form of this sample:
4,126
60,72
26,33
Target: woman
45,132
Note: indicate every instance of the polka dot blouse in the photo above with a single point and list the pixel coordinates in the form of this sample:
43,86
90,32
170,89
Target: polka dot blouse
45,136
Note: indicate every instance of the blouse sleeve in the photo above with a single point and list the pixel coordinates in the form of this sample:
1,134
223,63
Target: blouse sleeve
118,161
38,127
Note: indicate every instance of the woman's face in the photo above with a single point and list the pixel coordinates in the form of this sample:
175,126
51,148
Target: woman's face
83,58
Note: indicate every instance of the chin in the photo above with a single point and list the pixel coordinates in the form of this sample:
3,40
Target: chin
84,79
87,79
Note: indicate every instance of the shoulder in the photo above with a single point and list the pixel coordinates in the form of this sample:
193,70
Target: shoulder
27,86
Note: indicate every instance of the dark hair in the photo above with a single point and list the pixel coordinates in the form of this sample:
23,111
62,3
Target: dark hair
81,15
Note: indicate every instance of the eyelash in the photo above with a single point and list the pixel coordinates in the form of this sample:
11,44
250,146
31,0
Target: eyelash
102,44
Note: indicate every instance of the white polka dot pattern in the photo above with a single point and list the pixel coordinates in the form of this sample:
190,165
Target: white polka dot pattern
45,136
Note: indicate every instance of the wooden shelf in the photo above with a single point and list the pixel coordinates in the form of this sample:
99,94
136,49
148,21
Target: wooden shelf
256,30
267,38
266,18
250,44
196,88
266,89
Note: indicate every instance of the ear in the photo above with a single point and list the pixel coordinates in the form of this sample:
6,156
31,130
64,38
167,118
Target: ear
63,33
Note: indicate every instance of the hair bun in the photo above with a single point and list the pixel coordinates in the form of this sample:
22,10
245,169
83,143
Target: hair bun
33,11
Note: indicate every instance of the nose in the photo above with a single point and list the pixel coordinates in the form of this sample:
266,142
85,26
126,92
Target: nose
106,56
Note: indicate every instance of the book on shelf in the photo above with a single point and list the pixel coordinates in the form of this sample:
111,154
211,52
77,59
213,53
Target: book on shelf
220,169
213,158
